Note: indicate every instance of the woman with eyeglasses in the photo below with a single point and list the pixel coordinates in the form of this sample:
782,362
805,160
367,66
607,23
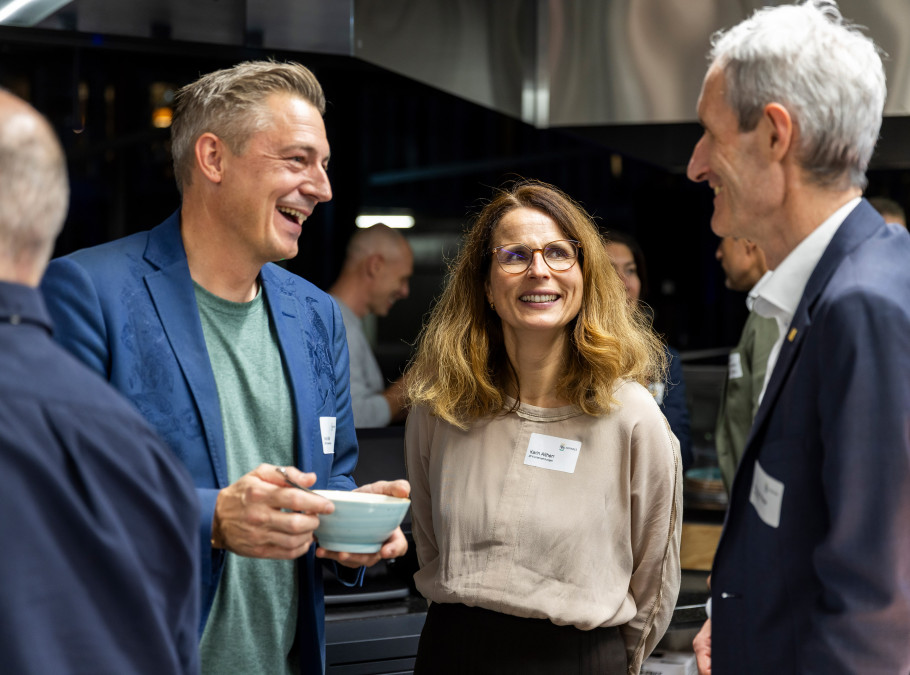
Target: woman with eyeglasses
545,482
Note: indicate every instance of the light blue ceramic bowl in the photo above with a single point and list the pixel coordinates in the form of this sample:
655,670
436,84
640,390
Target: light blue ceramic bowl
361,522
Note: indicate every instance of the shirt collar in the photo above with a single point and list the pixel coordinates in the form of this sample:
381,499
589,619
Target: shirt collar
22,304
779,295
756,289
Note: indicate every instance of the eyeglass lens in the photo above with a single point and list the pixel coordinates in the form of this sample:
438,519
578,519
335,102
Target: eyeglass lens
559,255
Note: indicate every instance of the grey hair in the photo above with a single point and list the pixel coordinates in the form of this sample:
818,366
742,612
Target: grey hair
34,186
230,103
824,70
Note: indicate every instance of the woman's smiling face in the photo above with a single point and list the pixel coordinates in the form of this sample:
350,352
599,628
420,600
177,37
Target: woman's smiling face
539,298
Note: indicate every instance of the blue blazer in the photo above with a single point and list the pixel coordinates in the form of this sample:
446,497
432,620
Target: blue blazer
827,590
128,310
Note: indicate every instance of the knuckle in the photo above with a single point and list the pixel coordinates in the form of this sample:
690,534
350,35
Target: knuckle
257,517
300,524
304,524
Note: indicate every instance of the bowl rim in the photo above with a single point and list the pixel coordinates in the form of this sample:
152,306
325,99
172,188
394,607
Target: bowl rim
351,497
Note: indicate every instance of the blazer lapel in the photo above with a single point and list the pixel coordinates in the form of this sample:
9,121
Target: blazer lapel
284,308
858,226
171,290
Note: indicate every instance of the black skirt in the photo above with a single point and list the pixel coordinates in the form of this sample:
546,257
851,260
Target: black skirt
460,639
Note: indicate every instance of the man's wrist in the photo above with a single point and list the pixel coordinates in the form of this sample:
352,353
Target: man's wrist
217,538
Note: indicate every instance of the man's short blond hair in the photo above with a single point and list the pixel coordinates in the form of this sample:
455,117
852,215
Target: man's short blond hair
231,103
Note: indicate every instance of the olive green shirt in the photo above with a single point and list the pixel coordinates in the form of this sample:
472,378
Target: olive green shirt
742,387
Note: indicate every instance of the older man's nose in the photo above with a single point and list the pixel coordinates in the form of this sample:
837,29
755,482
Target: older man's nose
697,170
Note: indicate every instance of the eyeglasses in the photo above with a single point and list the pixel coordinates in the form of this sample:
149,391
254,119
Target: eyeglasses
559,255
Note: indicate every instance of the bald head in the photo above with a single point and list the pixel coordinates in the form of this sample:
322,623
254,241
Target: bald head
379,238
34,191
376,271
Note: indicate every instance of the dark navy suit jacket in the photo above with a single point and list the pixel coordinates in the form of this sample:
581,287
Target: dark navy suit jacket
828,589
128,310
100,568
675,407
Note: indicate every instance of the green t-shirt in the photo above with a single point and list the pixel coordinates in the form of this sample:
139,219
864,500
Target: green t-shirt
253,622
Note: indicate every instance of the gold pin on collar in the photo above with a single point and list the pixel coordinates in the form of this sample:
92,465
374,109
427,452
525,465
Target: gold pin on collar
791,335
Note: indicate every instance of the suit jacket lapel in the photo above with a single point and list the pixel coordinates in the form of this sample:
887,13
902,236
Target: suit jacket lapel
859,225
789,349
284,308
171,289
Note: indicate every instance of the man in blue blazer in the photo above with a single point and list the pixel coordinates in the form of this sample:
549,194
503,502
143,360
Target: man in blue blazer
241,366
812,572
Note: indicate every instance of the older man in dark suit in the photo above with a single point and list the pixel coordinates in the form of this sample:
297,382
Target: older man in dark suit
812,573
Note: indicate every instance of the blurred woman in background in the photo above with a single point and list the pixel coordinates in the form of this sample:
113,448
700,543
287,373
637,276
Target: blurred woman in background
628,260
546,497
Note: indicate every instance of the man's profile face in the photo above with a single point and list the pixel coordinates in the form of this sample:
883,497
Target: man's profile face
737,263
731,163
392,282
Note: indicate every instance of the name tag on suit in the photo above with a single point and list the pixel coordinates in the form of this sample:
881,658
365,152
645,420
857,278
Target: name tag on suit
327,427
766,495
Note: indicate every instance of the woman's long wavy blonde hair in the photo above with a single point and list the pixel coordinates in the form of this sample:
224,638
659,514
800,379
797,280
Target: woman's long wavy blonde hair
461,365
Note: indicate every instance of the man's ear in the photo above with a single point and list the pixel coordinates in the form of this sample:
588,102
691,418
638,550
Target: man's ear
781,130
375,261
210,155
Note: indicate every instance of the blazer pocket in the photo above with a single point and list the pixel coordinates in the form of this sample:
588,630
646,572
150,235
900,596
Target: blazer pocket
797,465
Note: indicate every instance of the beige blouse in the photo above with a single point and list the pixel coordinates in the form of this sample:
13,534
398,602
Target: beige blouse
501,522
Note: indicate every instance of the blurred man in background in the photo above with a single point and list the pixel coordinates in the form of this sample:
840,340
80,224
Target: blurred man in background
745,268
377,268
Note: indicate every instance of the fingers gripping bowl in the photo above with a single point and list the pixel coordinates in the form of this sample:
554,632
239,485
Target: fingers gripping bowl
361,522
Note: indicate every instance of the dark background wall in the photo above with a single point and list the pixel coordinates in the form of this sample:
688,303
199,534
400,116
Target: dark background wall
395,143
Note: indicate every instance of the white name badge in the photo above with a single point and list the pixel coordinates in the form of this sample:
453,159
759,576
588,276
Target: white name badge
327,425
735,366
766,496
549,452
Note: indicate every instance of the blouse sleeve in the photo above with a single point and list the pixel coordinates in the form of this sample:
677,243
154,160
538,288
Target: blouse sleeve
417,440
656,514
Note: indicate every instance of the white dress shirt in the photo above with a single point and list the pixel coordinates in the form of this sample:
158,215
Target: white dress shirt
756,290
779,295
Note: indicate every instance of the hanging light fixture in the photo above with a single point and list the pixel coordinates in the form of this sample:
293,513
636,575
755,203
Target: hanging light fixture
28,12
